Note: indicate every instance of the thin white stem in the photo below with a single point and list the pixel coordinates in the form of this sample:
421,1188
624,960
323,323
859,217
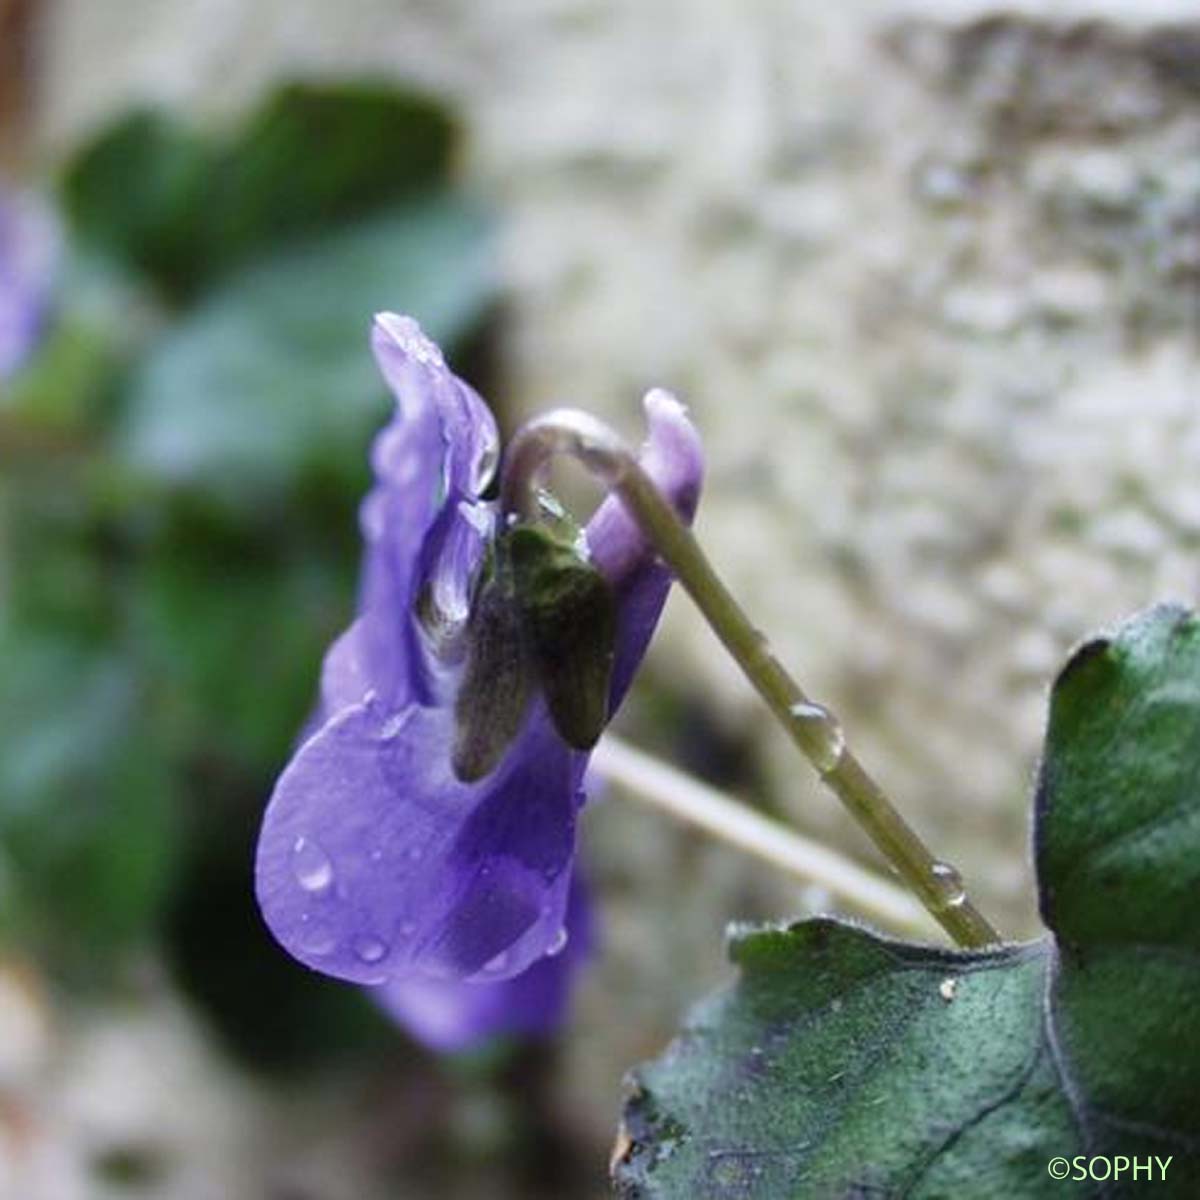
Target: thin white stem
689,800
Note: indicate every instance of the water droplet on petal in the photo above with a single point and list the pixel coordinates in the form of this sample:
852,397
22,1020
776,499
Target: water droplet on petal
495,965
311,866
318,942
370,949
826,732
558,943
372,516
393,725
484,467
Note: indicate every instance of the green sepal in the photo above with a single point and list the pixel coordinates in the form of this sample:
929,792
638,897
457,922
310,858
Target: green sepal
542,617
569,617
498,679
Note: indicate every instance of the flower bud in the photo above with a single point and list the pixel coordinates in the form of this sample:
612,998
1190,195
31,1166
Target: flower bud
543,618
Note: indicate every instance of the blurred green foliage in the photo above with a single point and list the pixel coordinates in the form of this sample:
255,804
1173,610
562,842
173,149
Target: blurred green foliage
180,468
185,209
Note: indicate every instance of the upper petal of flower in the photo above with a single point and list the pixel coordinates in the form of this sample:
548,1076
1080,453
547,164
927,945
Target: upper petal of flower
673,458
423,522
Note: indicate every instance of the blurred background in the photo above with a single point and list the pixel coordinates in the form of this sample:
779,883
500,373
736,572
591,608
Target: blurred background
928,274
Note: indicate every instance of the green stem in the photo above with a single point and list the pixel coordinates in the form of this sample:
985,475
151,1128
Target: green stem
815,730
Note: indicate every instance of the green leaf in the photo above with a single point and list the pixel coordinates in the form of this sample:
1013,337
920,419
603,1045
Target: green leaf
234,637
843,1064
1118,854
1118,811
136,193
60,390
186,209
86,806
271,375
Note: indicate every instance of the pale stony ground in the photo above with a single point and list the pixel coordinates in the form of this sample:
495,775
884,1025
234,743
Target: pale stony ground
930,281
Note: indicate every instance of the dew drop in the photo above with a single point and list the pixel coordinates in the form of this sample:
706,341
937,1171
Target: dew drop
392,726
830,739
495,965
311,866
318,942
370,949
948,884
549,506
558,943
371,517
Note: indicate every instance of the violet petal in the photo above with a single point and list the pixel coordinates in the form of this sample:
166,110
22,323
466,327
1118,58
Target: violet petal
451,1016
375,863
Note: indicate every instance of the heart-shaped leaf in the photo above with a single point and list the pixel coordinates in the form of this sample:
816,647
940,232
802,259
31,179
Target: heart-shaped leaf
842,1064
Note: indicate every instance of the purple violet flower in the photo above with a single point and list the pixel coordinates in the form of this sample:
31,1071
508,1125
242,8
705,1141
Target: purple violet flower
27,253
376,864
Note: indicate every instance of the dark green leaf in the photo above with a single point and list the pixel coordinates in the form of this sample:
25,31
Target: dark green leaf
1118,821
845,1065
234,637
315,156
185,209
1118,853
137,193
86,810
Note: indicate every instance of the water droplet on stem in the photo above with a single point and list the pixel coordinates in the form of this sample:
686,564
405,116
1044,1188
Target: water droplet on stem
948,884
828,741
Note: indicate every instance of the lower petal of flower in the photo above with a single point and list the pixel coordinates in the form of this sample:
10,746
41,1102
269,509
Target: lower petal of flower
375,863
451,1016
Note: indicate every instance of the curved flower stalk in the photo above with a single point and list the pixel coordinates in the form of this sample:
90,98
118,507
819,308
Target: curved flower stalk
377,863
27,252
